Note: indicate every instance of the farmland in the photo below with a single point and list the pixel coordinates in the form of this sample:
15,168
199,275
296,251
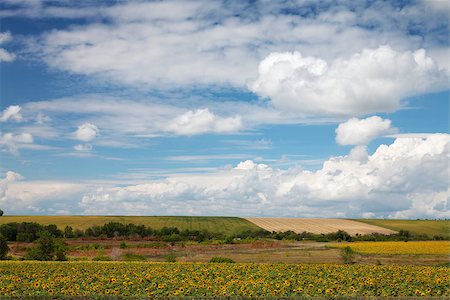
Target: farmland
145,266
226,225
91,279
428,227
299,225
412,247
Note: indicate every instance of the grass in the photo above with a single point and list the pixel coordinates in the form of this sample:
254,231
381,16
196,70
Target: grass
226,225
428,227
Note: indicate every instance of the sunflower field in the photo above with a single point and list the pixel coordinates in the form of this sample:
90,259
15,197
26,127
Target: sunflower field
411,247
162,280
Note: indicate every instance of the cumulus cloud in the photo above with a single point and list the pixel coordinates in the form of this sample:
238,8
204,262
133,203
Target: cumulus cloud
86,132
375,80
11,113
12,142
203,121
250,165
408,178
9,177
361,131
4,54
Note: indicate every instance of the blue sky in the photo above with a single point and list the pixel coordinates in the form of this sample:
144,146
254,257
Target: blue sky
259,108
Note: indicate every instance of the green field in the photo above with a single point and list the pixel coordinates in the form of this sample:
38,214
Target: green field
226,225
428,227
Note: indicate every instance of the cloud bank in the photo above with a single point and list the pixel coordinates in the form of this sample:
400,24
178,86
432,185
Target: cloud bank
406,179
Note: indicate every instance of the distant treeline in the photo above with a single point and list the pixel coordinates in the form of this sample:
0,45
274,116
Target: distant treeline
30,231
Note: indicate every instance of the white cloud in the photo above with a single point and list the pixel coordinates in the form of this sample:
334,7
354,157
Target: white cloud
204,42
375,80
203,121
408,178
5,55
11,113
12,142
45,197
389,183
250,165
4,184
86,132
361,131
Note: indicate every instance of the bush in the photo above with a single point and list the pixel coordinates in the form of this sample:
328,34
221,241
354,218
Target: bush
347,254
3,247
219,259
123,245
170,258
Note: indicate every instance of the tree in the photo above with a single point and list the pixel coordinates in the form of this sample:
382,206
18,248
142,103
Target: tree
1,212
3,247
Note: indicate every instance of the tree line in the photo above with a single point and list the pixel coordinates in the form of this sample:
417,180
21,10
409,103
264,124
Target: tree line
31,231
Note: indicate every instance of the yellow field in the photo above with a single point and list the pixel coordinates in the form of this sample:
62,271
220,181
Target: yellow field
163,280
422,247
318,226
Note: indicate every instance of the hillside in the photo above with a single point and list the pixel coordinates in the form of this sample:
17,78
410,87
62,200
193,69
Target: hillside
428,227
226,225
317,225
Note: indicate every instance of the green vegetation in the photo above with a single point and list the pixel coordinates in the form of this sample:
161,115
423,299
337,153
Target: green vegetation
225,225
170,258
102,257
48,248
3,247
347,254
133,257
432,228
220,259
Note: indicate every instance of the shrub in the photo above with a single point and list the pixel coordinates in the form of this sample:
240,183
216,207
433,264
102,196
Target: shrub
347,254
123,245
219,259
170,258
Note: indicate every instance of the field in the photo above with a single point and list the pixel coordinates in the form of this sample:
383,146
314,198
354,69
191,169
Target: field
300,225
423,247
428,227
226,225
93,279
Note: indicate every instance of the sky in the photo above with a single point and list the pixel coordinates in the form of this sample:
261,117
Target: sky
225,108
